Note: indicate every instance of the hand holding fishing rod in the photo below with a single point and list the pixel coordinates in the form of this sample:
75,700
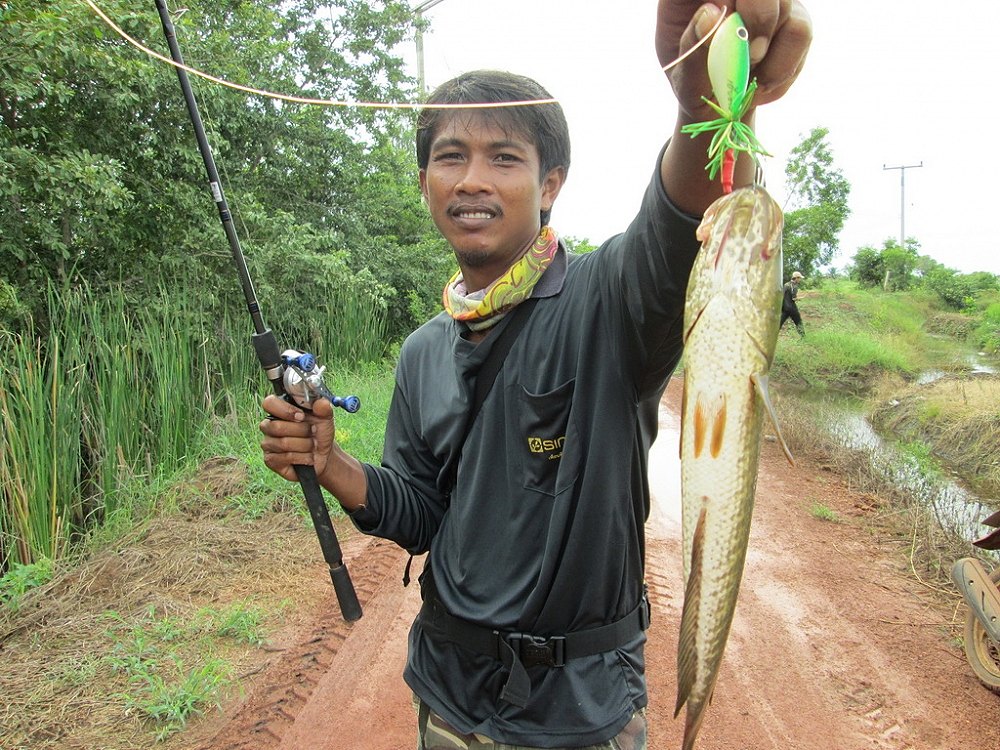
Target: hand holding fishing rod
294,375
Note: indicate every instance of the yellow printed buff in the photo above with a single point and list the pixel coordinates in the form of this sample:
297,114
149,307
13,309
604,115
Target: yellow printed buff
485,308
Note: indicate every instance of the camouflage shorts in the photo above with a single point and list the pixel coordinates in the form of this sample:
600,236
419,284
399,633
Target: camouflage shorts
433,733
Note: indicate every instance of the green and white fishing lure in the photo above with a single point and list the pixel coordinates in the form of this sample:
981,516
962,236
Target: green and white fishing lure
729,74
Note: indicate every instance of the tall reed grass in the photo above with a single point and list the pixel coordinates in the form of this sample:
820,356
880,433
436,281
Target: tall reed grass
115,392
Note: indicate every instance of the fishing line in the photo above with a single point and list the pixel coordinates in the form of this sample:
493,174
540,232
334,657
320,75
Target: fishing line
295,99
699,43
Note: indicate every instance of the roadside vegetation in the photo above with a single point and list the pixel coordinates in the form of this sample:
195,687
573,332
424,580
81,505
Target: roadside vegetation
155,616
922,371
144,547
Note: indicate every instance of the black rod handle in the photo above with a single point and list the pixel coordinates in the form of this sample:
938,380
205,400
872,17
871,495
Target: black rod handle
347,598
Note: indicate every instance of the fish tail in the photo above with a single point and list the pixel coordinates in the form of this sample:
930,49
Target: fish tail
692,725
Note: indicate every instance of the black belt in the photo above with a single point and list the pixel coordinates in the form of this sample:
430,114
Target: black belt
518,651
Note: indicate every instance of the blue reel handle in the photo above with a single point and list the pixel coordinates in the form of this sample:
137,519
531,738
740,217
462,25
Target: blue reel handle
350,404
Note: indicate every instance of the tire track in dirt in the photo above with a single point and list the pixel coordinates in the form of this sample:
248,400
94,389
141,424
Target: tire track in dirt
329,647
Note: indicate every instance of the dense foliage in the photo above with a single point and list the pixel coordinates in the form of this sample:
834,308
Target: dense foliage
896,268
101,180
121,318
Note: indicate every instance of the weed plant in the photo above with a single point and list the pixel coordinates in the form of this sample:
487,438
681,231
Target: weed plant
114,395
823,512
151,653
20,579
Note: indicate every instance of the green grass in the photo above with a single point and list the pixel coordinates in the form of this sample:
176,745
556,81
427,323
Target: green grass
171,697
149,654
822,512
242,623
853,336
117,394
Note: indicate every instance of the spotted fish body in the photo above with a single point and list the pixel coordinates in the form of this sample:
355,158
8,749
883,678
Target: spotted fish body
731,329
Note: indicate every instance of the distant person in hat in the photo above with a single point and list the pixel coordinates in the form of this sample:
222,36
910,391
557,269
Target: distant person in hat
788,307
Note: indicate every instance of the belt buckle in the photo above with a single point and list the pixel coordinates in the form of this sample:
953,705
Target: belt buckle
535,650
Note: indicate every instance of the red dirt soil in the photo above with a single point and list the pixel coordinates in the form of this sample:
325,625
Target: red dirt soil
835,644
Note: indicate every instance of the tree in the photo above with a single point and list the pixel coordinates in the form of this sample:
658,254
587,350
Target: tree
818,194
899,264
101,179
579,245
868,269
892,268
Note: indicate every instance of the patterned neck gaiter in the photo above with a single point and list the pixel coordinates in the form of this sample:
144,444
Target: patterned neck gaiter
485,308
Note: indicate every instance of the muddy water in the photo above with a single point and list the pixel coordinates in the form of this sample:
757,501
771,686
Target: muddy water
957,509
665,473
977,365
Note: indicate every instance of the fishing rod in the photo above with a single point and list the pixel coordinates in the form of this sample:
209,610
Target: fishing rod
294,375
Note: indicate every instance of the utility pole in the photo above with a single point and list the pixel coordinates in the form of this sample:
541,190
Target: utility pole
902,197
418,12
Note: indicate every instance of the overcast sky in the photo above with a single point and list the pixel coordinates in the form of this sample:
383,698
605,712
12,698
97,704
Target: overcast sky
895,83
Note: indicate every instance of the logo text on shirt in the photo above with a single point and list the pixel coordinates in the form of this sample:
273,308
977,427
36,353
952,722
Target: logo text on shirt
547,445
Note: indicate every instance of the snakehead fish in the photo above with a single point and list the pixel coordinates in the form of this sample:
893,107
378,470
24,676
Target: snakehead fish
731,328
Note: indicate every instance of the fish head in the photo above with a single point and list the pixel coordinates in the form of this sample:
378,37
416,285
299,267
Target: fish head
740,263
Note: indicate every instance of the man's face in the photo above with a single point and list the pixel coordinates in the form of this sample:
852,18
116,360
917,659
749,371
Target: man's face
484,190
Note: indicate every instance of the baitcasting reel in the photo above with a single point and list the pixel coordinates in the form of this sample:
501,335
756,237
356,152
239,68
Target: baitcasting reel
303,380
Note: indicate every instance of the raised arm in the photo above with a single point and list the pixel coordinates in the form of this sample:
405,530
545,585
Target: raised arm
780,34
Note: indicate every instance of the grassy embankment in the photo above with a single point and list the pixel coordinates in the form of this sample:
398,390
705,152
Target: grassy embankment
879,348
882,348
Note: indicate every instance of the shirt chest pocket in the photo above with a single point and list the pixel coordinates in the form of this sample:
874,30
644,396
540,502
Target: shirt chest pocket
546,441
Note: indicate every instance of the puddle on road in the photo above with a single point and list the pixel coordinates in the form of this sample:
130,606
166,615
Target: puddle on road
665,475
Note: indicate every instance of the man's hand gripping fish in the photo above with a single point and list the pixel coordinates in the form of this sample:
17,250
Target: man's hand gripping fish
731,328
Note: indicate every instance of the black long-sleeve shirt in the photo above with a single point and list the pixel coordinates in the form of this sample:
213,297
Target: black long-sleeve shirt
543,531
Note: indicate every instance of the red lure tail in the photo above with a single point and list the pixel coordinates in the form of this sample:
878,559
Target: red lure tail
728,168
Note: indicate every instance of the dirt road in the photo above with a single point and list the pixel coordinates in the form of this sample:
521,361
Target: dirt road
835,645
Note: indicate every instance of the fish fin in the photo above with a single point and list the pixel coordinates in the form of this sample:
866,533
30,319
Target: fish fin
990,541
718,428
700,423
689,329
760,385
687,644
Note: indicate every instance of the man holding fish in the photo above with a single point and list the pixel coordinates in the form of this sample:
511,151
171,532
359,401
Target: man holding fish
530,499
